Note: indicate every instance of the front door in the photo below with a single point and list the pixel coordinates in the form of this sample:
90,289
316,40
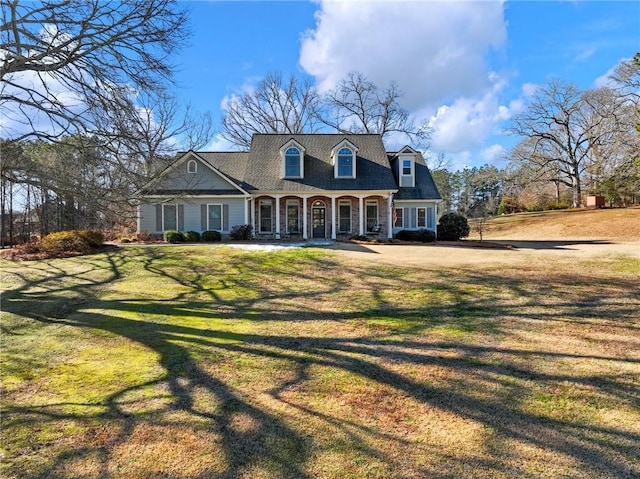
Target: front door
318,212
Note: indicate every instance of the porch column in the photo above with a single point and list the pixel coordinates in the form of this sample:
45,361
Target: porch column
252,221
277,197
247,219
390,217
333,217
305,223
361,215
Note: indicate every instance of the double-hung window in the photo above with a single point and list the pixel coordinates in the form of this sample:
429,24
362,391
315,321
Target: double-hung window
422,217
265,211
345,163
169,217
214,217
371,215
344,214
399,218
293,216
293,163
407,173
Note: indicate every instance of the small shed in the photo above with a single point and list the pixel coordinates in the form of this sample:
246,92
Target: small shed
595,201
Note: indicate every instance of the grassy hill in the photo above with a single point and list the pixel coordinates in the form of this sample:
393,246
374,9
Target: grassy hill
593,224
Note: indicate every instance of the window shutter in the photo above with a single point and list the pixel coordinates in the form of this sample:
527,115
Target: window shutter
203,217
180,217
430,218
413,217
225,217
158,217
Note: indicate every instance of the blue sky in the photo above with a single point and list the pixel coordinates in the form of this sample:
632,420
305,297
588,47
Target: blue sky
464,67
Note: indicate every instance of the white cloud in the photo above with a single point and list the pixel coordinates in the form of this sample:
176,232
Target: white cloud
434,51
492,154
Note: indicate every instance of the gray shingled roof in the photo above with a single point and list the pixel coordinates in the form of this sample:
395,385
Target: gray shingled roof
261,167
425,188
372,167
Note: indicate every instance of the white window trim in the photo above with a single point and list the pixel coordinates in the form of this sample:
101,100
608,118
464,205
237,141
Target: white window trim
337,163
288,203
177,213
412,175
404,218
221,217
366,207
418,217
195,166
347,203
283,156
260,203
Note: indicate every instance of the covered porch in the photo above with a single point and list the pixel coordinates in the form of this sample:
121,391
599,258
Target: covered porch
321,216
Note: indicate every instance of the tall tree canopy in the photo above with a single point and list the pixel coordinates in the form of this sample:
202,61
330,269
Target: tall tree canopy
357,105
64,63
566,130
274,106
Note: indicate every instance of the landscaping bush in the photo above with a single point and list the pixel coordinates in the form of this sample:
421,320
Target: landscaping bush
558,206
173,236
145,236
191,236
241,232
421,235
94,238
65,242
425,236
360,238
211,236
453,227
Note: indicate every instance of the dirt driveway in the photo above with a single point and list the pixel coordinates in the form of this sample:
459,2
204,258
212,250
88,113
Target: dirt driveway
521,252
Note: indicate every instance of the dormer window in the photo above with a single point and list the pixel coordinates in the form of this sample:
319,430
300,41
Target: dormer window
345,163
407,172
292,163
192,166
292,155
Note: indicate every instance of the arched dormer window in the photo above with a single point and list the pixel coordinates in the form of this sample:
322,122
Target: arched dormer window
192,166
292,163
292,156
345,164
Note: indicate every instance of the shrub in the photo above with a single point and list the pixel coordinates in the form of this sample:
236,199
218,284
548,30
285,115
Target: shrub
211,236
192,236
145,236
241,232
94,238
453,227
558,206
360,238
65,242
425,236
173,236
421,235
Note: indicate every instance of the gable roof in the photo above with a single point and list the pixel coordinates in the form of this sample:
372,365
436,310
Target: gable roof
425,188
265,172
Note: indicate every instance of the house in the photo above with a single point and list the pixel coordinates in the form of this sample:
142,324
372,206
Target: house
307,186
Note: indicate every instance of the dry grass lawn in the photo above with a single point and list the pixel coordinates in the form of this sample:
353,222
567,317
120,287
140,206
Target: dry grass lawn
209,362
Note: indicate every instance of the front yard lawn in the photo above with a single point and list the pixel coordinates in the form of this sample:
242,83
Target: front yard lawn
212,362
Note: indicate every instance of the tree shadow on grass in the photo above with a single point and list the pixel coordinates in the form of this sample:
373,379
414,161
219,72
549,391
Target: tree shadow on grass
269,440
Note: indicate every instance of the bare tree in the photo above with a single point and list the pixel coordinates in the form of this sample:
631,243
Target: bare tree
65,62
563,129
275,106
357,105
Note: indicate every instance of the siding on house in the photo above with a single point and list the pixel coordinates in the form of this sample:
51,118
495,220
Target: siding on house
410,215
192,214
179,180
